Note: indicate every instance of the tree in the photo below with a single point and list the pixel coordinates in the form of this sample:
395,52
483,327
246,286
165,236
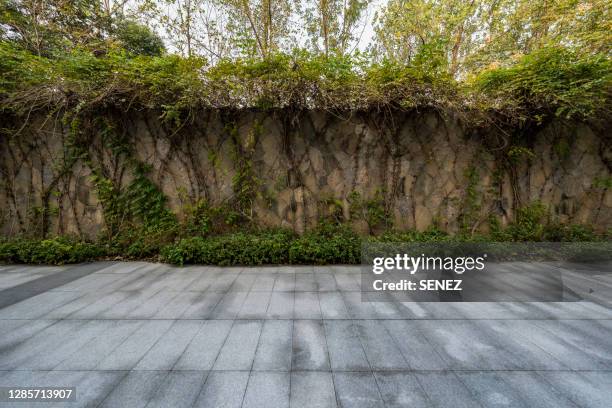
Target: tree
259,27
43,26
333,24
470,35
138,39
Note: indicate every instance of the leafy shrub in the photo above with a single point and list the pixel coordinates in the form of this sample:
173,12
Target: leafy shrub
432,234
270,247
552,80
56,251
529,225
570,233
328,244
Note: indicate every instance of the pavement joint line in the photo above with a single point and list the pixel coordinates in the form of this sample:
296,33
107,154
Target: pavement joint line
457,370
333,320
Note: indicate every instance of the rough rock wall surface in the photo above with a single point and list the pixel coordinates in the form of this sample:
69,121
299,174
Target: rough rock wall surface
428,168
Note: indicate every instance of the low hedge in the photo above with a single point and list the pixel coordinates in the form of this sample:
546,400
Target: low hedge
57,251
327,244
232,249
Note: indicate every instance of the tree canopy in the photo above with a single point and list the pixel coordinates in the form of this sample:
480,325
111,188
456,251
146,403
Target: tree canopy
545,56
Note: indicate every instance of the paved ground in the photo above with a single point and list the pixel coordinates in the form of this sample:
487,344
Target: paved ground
137,334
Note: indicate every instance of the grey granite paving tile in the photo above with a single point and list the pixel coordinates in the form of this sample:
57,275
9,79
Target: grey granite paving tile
345,348
170,346
526,354
285,282
177,306
59,379
243,282
554,345
309,346
414,346
206,304
471,345
255,305
306,306
21,379
229,306
589,336
135,390
178,390
380,348
92,387
515,389
43,341
414,310
332,305
14,279
345,282
223,389
121,267
25,378
267,390
357,390
15,332
585,389
124,280
264,282
65,310
88,283
387,310
129,353
274,349
325,282
356,308
152,305
444,389
73,340
179,280
223,282
305,282
204,278
101,303
147,276
312,389
400,389
203,350
239,349
122,309
281,305
37,306
91,354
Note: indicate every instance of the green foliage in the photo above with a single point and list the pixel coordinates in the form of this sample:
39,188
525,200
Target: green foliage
327,244
552,80
603,182
139,39
203,219
372,211
267,247
555,81
432,234
570,233
54,251
529,225
517,153
471,204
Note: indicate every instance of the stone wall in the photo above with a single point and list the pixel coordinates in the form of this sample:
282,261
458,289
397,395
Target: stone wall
428,168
